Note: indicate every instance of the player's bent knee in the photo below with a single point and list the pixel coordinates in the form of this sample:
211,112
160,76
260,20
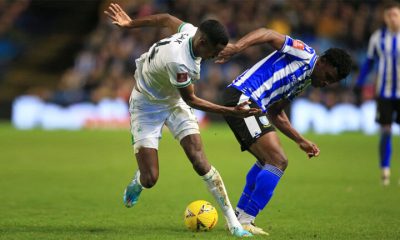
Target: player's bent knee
283,163
277,160
148,180
280,161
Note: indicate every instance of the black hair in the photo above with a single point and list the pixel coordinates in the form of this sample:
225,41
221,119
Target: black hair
391,4
340,60
215,32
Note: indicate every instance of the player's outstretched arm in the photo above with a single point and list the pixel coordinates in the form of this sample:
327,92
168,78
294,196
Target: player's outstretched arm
242,110
279,118
259,36
120,18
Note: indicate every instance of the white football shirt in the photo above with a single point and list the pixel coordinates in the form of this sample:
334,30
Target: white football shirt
169,64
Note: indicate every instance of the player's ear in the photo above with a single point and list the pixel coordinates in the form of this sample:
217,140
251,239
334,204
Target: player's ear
203,40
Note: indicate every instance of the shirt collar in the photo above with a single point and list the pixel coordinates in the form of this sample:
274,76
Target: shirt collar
191,50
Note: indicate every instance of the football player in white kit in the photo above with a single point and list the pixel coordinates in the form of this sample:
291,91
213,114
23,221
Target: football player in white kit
164,94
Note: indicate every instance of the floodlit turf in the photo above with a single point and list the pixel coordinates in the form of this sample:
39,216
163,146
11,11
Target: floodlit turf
69,184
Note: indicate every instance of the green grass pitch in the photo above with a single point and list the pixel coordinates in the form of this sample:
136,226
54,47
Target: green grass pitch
69,185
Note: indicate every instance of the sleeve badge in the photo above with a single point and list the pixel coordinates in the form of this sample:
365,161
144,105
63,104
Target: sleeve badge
181,77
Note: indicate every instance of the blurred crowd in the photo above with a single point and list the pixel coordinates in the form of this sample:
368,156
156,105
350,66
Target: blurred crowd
10,37
105,65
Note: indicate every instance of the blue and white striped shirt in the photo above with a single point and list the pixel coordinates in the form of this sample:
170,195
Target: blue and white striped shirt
281,75
384,45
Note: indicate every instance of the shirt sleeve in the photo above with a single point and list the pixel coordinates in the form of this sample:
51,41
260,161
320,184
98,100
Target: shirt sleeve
178,75
297,48
368,64
372,45
187,27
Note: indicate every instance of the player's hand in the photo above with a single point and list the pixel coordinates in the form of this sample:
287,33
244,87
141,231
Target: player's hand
242,110
118,16
310,148
227,53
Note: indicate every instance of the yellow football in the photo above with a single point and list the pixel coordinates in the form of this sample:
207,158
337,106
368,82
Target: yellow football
200,215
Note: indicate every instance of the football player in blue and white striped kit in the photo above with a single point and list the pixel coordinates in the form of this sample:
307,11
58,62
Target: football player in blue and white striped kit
384,45
270,85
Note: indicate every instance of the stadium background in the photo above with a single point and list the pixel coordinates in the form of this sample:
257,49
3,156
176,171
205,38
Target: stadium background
67,184
67,52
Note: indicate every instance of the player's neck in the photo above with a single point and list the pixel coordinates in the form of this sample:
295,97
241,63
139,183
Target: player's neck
394,29
193,46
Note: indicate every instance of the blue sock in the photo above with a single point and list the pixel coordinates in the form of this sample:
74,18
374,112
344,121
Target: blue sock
250,184
385,149
266,183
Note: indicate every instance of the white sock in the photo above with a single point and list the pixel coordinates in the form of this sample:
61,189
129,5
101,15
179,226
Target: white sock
137,177
245,218
386,172
238,211
216,186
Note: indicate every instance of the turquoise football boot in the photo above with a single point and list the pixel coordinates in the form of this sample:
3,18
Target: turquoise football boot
240,232
132,191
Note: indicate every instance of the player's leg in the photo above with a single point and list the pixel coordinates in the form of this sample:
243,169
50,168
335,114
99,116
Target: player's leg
385,110
269,152
250,183
248,131
261,180
147,159
147,121
183,125
147,174
193,148
385,152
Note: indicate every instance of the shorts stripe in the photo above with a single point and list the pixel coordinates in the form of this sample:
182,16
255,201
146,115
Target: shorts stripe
251,122
252,126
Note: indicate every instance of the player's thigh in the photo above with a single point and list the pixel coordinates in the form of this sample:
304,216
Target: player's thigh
182,121
268,150
258,136
254,133
147,121
248,130
193,147
184,126
147,159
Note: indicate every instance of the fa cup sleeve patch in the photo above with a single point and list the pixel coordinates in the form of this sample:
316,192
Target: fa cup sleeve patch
181,77
298,44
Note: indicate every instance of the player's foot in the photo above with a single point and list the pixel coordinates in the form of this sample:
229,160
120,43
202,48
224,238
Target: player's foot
240,232
385,176
132,192
385,182
254,229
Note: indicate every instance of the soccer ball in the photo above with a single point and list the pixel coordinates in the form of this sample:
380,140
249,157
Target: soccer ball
200,215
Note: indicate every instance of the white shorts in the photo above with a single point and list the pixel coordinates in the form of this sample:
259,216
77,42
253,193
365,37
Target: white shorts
148,119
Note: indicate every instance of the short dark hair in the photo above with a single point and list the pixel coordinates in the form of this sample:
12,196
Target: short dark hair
340,60
391,4
214,31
